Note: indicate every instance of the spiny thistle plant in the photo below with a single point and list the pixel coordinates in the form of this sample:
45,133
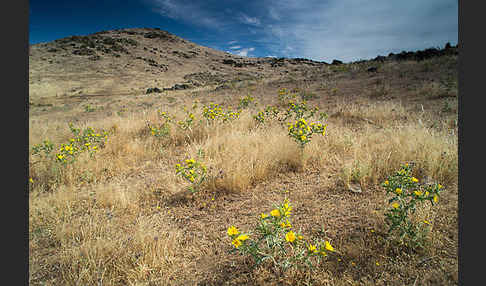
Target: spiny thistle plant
302,132
407,194
193,172
274,240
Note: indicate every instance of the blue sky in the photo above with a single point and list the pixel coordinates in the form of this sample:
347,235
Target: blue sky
323,30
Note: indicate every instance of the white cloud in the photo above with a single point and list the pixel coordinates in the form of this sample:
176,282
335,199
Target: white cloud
244,52
235,47
350,30
249,20
323,30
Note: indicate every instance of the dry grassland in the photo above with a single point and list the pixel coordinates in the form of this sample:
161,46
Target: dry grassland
123,217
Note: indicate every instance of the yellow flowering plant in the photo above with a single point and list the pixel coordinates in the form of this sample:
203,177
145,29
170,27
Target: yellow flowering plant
84,140
407,192
163,128
299,110
215,112
275,240
193,172
301,131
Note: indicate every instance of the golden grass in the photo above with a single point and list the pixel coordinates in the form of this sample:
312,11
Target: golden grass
109,220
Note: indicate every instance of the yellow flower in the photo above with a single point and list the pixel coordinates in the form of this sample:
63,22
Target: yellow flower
300,237
275,213
287,209
395,205
418,193
285,224
303,137
242,237
232,230
398,191
386,183
236,243
290,236
436,198
263,215
426,222
439,186
415,180
312,248
31,181
329,246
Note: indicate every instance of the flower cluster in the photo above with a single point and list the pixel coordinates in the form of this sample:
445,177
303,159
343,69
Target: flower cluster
215,112
163,128
300,110
302,132
192,171
407,193
275,240
86,141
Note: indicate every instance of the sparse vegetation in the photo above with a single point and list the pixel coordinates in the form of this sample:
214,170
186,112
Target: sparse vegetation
174,192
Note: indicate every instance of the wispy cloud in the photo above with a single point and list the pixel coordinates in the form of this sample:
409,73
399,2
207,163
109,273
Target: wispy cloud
235,47
320,30
188,11
245,19
350,30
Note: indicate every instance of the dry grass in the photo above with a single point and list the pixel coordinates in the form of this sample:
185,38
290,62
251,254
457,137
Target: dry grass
120,219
